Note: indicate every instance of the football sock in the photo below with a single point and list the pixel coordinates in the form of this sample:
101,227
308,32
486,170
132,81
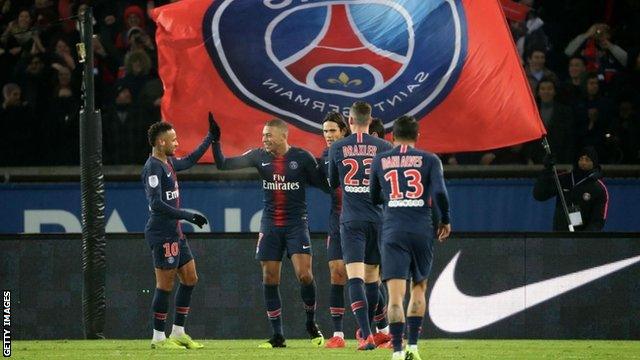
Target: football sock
274,307
359,305
183,298
308,294
397,330
336,306
414,327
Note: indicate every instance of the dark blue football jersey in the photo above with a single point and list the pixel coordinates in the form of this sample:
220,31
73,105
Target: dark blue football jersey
163,193
284,180
349,166
336,194
405,180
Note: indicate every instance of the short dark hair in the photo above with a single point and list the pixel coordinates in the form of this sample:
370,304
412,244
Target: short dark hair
337,118
361,111
405,128
279,123
578,57
545,80
377,127
156,129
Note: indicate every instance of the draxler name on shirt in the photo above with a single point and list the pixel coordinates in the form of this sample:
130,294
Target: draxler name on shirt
280,183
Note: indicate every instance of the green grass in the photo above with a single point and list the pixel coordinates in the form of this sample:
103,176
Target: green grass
300,349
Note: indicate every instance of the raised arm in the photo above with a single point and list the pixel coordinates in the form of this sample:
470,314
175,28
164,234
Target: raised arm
191,159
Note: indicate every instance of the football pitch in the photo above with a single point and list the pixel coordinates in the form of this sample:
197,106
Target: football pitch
300,349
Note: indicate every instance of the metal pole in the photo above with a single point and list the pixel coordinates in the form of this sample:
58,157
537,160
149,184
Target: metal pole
547,148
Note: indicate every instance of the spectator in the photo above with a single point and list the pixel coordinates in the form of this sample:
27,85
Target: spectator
123,130
585,193
536,69
622,139
137,67
559,123
603,57
574,85
63,112
17,119
33,78
61,54
593,116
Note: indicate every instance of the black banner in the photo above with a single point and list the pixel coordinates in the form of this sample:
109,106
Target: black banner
486,286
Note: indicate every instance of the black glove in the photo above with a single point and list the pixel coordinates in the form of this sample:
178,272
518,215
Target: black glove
214,129
549,161
198,220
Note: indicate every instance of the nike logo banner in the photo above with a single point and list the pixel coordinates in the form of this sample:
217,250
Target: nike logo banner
453,311
249,61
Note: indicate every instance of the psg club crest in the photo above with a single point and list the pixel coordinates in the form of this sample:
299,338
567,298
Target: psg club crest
299,59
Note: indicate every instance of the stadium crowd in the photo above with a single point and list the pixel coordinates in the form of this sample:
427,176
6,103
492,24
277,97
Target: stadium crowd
582,61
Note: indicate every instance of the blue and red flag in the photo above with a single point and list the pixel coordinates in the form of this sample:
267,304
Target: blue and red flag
450,63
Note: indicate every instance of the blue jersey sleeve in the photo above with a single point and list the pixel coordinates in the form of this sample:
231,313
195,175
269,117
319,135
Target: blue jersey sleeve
191,159
153,190
438,189
245,160
315,175
334,177
375,188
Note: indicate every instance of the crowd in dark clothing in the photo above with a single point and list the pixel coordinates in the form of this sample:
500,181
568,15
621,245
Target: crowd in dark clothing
41,78
581,59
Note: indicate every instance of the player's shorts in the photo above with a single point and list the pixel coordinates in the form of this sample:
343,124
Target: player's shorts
170,254
274,241
359,241
334,245
406,255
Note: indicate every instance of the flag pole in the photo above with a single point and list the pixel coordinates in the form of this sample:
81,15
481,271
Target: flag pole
547,148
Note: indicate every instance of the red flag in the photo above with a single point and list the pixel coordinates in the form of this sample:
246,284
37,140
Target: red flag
514,11
450,63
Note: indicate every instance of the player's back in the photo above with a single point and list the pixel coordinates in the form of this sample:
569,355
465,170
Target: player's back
351,158
408,177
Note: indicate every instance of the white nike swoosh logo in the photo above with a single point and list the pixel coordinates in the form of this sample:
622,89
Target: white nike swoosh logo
326,162
265,164
453,311
168,175
306,247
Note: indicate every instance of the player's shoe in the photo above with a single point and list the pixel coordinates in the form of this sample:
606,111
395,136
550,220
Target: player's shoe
335,343
186,341
385,345
398,356
276,341
315,335
368,344
166,344
412,355
381,338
